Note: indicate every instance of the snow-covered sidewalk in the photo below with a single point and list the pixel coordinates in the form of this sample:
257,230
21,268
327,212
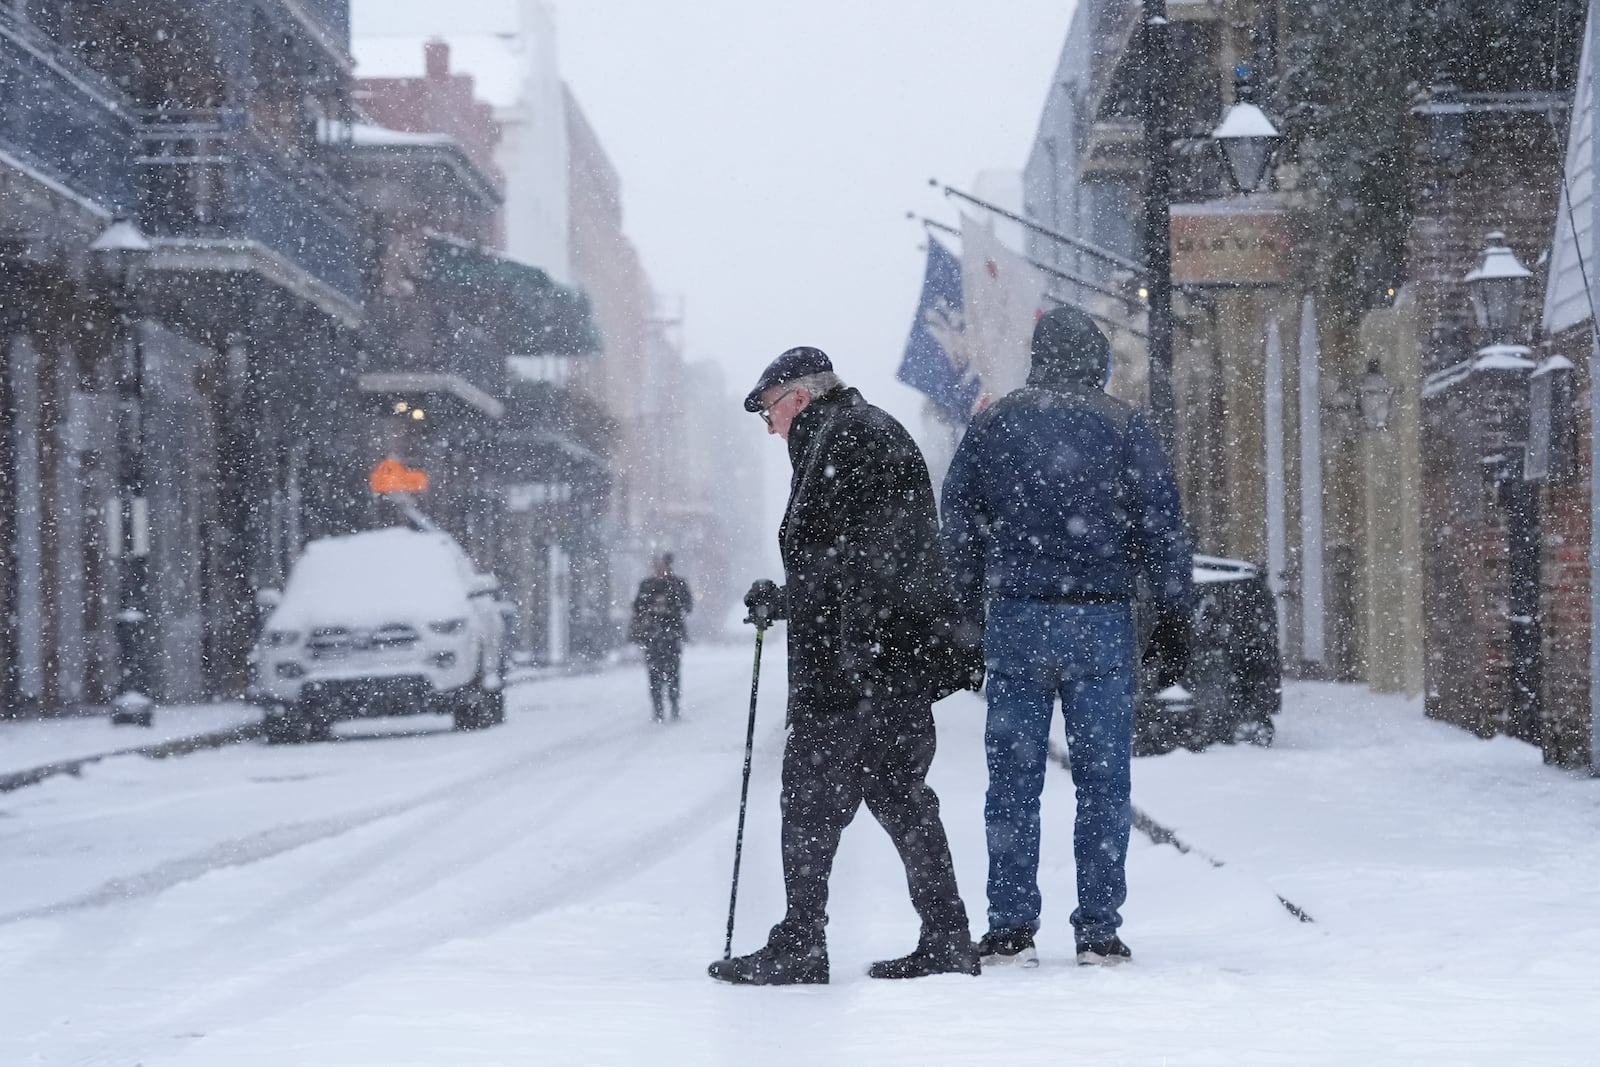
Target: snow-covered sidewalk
29,743
1397,831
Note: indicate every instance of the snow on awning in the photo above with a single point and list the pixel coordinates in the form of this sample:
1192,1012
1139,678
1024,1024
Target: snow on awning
1551,364
1489,359
1504,357
370,135
533,314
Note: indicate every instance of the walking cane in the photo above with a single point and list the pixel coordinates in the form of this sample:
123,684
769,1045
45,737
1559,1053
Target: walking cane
758,615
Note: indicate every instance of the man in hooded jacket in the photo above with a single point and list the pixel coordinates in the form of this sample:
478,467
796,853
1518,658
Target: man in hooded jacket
1058,501
866,591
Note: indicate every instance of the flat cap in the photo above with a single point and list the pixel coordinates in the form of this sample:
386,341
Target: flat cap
795,363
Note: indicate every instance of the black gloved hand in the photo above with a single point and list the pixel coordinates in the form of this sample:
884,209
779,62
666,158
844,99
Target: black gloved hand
955,656
1167,654
765,601
968,640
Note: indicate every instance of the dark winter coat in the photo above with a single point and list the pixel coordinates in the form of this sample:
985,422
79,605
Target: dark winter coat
659,610
1059,491
867,586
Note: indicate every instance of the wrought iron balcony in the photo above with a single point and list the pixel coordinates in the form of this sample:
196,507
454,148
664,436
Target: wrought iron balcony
331,17
58,125
208,176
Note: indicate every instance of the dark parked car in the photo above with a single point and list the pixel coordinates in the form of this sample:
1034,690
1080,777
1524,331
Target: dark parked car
1235,682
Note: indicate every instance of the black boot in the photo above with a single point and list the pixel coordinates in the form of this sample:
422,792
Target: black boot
1103,953
774,966
941,954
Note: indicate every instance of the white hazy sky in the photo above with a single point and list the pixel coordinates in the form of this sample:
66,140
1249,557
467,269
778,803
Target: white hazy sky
769,149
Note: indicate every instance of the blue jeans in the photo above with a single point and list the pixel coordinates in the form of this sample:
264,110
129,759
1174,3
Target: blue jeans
1085,653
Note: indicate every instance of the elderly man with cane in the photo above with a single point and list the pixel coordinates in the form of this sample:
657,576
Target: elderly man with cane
866,599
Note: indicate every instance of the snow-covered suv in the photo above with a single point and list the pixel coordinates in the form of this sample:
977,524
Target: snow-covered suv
387,622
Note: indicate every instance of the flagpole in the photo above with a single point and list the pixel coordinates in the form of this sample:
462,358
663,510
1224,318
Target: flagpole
1075,242
1063,275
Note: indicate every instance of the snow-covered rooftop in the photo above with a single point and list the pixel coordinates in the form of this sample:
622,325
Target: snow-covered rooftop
371,135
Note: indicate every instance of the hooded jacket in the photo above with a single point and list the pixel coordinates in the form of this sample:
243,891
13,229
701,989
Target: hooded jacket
866,582
1059,491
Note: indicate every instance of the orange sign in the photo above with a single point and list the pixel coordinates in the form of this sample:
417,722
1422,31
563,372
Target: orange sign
392,476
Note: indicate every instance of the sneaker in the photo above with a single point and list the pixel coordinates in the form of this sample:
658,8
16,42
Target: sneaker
954,954
774,966
1103,953
1002,947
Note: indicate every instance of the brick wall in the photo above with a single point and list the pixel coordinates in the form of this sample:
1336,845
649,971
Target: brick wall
1480,164
437,102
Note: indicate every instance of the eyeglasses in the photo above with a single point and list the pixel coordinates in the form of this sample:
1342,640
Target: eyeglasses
766,412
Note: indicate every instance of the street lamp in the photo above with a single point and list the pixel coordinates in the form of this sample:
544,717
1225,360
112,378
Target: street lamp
1248,138
1376,397
119,253
1497,287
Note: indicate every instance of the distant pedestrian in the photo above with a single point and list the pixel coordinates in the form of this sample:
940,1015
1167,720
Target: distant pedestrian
866,589
1059,499
660,611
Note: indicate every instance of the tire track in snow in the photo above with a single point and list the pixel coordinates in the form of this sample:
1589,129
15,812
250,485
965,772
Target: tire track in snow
404,843
264,845
247,1001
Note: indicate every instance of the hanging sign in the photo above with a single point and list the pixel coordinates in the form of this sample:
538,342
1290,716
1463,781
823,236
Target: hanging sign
1231,242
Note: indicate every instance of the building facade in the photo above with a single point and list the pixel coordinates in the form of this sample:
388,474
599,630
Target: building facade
226,293
469,362
1326,427
199,123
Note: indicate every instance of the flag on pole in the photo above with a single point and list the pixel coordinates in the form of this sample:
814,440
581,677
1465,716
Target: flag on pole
935,360
1004,296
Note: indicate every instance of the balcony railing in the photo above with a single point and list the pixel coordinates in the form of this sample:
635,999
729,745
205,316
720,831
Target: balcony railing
60,125
208,175
332,16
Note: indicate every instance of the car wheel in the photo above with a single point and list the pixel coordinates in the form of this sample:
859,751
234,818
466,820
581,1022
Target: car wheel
494,706
477,708
282,728
298,724
1259,733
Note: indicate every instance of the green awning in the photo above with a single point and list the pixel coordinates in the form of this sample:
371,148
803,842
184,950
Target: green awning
531,313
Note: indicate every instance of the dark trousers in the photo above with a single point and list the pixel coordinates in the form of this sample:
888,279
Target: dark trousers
662,659
881,755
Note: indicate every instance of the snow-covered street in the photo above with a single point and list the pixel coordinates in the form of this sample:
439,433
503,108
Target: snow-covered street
549,892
